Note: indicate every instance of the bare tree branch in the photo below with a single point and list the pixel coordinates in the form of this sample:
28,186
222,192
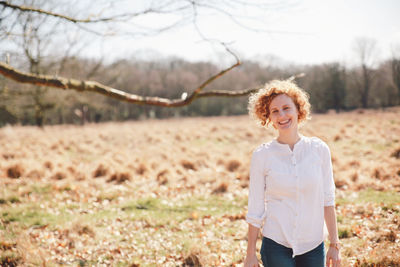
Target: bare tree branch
242,92
64,83
92,86
74,20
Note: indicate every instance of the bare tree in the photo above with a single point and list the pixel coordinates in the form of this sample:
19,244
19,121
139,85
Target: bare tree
33,45
34,35
395,66
366,52
336,88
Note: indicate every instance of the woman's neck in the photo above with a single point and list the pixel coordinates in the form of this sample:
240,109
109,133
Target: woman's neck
289,138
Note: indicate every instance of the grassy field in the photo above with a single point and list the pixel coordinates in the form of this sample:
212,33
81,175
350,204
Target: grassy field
174,192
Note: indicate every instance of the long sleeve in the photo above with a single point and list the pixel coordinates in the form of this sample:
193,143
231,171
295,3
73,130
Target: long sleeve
327,175
256,202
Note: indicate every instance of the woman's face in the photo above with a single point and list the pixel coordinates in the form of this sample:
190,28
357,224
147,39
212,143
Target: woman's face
283,113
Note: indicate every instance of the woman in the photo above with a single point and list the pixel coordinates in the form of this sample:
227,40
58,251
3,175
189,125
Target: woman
291,188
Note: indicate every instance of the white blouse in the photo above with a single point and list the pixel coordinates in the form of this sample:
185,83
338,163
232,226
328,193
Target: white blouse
288,191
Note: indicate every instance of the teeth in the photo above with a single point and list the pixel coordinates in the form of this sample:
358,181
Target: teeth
284,122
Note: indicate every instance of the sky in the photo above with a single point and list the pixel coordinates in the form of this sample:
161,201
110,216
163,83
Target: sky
303,32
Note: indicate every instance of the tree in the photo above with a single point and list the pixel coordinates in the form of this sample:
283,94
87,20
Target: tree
365,49
29,40
103,20
33,43
395,67
336,88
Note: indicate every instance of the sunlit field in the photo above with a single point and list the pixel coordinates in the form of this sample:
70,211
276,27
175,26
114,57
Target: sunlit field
174,192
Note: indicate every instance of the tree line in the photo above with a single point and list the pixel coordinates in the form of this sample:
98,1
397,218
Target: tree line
331,86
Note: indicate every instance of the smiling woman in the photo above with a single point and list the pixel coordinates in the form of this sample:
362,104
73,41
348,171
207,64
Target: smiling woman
260,101
291,189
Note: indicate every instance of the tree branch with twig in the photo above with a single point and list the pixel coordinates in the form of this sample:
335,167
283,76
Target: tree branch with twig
93,86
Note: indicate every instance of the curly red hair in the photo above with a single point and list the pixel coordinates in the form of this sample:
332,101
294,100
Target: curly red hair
259,102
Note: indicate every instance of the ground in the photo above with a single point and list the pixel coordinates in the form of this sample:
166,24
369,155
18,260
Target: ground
174,192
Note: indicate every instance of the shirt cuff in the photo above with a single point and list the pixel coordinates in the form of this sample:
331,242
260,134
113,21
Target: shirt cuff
329,202
255,221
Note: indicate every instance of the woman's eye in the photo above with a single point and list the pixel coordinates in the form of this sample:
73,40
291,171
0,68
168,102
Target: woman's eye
275,111
286,108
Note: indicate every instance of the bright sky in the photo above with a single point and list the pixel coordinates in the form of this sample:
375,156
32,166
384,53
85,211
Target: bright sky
307,31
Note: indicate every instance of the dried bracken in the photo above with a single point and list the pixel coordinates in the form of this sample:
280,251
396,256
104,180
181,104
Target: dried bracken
188,165
162,177
232,165
192,261
141,169
7,156
48,165
119,178
59,176
221,188
83,230
15,171
100,171
396,153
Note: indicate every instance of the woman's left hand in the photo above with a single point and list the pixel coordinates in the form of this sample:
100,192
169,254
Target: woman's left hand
333,257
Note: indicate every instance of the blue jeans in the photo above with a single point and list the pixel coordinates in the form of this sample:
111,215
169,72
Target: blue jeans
277,255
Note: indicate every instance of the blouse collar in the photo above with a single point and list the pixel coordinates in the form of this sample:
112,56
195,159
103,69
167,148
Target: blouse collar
286,146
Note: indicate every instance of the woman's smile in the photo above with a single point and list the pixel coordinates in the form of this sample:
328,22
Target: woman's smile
285,122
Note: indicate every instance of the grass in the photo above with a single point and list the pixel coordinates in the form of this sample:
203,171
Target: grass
388,199
344,232
29,215
11,199
161,216
41,189
160,211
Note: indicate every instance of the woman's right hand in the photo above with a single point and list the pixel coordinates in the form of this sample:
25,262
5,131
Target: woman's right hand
251,261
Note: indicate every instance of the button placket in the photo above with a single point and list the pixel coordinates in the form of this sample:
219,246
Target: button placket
297,197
